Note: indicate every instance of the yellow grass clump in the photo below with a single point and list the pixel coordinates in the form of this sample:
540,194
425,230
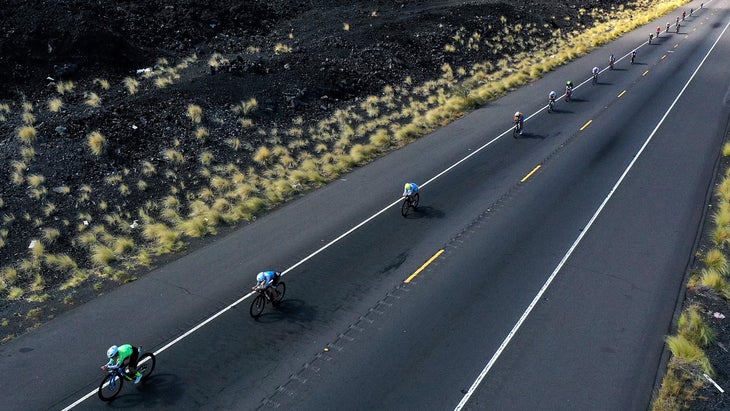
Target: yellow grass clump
262,155
131,85
195,113
27,134
96,143
92,99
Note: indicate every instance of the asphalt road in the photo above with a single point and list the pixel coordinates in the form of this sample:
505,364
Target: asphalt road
351,335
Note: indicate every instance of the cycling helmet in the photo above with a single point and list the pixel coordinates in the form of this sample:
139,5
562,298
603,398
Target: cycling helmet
517,113
260,277
112,351
409,186
569,83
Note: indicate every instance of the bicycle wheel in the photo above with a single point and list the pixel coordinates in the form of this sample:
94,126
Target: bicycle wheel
280,291
516,131
257,306
112,389
550,107
146,365
414,201
404,207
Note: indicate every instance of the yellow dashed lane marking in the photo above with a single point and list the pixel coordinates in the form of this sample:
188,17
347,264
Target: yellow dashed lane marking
586,125
530,173
663,57
622,93
423,267
644,73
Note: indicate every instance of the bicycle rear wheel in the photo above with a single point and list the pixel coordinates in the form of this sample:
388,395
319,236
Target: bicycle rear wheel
280,291
109,392
257,306
146,365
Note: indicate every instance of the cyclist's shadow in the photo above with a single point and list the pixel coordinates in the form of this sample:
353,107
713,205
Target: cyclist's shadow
159,389
531,135
289,309
425,212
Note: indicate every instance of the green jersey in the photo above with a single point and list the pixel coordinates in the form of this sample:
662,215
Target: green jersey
123,353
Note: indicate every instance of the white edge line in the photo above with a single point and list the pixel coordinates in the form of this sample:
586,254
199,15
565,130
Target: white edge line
572,248
219,313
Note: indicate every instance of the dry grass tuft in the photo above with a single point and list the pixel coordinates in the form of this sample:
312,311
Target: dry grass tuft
195,113
96,142
27,134
131,85
55,104
92,99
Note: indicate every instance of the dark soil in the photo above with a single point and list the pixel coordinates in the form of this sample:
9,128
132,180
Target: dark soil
341,52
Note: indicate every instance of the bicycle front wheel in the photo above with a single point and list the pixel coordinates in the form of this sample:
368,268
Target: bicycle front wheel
280,291
110,391
257,306
414,200
404,207
146,365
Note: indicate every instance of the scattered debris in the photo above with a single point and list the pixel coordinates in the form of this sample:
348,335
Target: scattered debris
718,315
33,244
134,224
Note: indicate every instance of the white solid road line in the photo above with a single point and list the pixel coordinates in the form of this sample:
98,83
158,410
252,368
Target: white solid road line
572,248
302,261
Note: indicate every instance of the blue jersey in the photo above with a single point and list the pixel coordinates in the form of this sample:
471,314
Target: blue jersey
268,277
410,189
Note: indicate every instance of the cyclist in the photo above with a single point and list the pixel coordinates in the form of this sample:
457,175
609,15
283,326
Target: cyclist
677,20
410,189
684,13
651,36
667,27
551,97
520,119
633,56
265,279
611,60
568,90
123,356
678,27
595,74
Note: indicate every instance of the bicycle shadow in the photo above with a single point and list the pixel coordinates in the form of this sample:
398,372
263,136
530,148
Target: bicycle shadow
292,310
533,136
577,100
158,390
425,212
561,111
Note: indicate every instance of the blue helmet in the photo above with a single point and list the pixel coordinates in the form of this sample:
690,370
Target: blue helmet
112,351
260,277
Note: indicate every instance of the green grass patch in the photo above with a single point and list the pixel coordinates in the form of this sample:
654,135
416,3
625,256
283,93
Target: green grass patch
102,255
715,260
689,352
692,327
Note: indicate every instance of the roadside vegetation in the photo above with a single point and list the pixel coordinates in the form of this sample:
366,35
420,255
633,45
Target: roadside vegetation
89,235
697,354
